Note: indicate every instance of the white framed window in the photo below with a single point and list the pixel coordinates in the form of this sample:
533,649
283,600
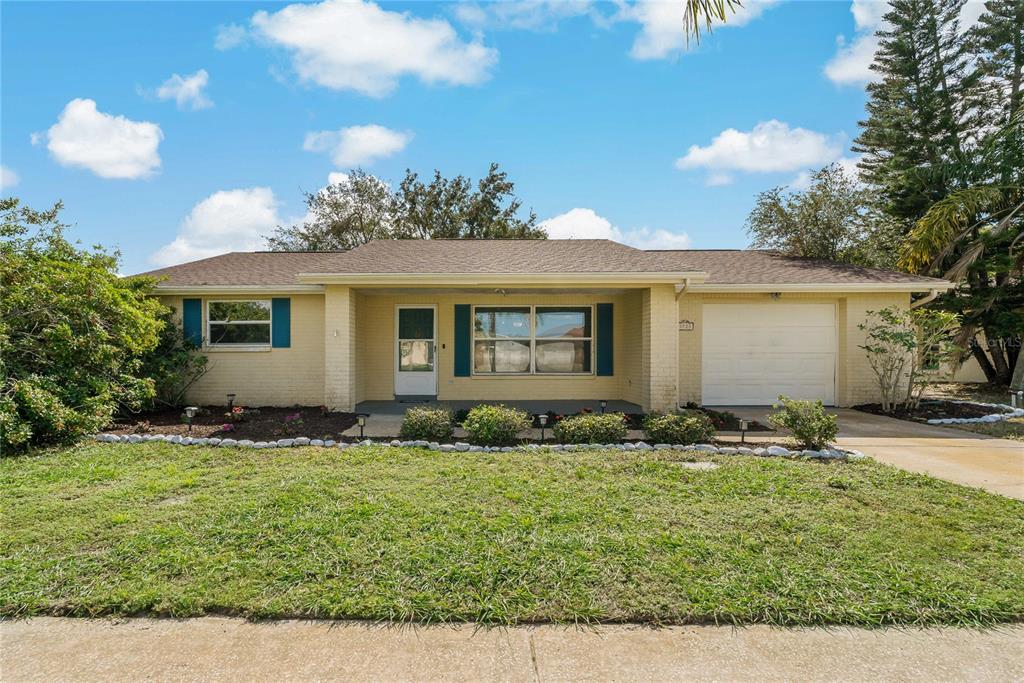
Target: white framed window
238,323
533,340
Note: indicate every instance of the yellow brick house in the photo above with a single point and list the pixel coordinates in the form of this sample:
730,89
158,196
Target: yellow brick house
539,320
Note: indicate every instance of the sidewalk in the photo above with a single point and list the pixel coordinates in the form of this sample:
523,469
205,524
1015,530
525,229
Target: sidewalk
223,649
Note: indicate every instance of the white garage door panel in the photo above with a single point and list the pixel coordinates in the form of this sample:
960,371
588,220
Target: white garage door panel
754,352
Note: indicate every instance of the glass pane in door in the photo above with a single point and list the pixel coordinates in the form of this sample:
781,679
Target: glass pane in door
416,356
415,323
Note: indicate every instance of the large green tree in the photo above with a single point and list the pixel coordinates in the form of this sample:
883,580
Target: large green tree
362,207
922,110
831,219
974,233
72,333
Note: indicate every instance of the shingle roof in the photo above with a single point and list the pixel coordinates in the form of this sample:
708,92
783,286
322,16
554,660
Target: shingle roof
265,268
750,266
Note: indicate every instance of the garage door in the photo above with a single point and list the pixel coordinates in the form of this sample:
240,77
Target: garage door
754,352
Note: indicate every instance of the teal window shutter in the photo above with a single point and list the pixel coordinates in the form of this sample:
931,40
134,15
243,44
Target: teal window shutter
462,340
281,323
605,340
192,320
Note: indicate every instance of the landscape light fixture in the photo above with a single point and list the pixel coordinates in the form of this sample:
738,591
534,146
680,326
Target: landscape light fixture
231,402
361,421
604,404
744,425
190,412
543,419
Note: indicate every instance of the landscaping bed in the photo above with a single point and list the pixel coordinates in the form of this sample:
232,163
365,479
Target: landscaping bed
930,409
259,424
534,536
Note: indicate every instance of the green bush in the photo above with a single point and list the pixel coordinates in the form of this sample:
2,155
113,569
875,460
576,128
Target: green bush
591,428
427,424
682,427
174,364
807,420
495,425
72,333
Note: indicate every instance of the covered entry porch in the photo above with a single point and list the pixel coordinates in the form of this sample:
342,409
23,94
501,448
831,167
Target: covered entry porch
538,346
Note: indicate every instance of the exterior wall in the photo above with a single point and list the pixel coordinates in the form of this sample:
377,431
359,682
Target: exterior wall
340,379
854,379
375,356
661,348
267,377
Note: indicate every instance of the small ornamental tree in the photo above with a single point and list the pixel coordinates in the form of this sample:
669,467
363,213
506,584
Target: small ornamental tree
901,345
71,333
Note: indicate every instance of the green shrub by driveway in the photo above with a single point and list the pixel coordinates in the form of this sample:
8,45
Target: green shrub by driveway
427,424
499,425
412,534
810,425
683,427
601,428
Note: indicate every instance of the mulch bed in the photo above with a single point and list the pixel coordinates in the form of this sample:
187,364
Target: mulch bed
268,424
929,410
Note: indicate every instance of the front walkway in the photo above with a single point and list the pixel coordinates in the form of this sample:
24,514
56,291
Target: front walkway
217,649
996,465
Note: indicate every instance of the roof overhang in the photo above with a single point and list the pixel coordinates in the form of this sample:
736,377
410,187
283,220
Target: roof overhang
171,290
501,279
940,285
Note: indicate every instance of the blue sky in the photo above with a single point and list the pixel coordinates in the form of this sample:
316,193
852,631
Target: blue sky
174,131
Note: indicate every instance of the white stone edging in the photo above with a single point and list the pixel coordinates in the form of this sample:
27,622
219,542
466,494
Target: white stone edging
461,446
1008,412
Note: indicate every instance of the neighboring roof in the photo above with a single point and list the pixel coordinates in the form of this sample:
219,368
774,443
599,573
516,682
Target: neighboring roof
521,257
751,266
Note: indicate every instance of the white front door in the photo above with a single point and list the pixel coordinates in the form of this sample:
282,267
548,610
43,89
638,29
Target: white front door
754,352
415,346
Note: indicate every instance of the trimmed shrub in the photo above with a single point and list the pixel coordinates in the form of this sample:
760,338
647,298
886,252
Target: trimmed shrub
495,425
427,424
591,428
682,427
812,427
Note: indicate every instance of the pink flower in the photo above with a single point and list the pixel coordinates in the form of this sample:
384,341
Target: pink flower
227,427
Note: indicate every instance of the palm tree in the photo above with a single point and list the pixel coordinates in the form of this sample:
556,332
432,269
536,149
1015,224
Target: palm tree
706,13
975,236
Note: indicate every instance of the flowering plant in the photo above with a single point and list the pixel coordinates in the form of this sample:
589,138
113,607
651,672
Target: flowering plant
227,427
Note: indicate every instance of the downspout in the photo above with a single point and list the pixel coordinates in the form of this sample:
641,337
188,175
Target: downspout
682,287
932,294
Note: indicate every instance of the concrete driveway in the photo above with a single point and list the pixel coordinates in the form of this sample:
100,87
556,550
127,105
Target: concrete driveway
996,465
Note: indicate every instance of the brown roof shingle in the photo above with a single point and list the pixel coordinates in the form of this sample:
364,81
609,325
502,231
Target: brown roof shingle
518,256
751,266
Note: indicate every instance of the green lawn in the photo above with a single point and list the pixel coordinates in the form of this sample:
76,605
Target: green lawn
409,534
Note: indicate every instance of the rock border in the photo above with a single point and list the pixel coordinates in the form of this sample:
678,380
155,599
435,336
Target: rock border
1006,414
463,447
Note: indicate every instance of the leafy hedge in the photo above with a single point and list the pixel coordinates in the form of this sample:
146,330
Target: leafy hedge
427,424
591,428
683,427
72,333
495,425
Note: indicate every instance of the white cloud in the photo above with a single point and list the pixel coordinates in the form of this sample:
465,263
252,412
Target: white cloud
771,146
359,46
587,224
719,179
530,15
851,64
109,146
228,220
230,36
8,178
186,91
661,25
357,145
337,178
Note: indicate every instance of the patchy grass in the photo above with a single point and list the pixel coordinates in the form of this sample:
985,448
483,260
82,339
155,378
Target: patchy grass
409,534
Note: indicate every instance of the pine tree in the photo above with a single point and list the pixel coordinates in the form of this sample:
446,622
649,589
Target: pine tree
999,42
922,114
